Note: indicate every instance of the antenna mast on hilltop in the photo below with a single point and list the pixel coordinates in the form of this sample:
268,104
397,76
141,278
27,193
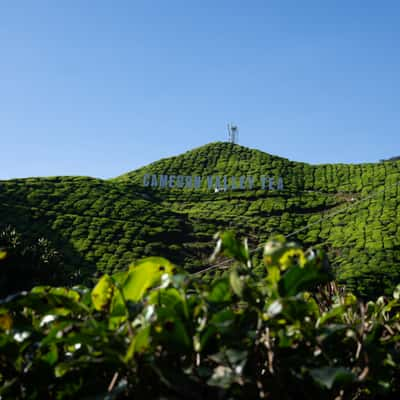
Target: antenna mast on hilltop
233,133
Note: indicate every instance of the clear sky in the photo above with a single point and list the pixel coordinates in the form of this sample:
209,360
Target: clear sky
102,87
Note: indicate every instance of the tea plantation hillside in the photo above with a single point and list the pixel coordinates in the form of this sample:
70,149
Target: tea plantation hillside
97,224
106,224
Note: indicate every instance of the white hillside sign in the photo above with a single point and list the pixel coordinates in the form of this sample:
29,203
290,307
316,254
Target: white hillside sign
216,183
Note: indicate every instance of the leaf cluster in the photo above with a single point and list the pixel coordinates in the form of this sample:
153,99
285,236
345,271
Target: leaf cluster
281,329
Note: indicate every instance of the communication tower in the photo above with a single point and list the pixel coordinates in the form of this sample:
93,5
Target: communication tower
233,133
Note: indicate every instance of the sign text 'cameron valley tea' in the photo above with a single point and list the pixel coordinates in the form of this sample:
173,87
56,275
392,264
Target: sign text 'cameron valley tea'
216,183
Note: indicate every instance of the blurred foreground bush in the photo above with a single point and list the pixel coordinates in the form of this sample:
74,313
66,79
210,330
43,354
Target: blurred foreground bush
280,331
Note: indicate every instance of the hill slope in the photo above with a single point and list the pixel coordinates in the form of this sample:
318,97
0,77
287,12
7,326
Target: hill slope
105,224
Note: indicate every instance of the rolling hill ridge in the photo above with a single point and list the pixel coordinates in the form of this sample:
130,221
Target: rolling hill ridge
104,224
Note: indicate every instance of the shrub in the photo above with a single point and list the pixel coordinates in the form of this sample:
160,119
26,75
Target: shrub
279,330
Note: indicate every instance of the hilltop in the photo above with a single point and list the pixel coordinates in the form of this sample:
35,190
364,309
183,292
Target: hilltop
213,159
105,224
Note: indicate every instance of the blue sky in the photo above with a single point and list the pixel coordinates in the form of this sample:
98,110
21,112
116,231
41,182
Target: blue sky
99,88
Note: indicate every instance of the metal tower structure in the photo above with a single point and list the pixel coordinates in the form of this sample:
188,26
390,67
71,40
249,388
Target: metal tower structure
233,133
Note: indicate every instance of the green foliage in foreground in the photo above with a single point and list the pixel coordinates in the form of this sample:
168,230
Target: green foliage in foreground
281,330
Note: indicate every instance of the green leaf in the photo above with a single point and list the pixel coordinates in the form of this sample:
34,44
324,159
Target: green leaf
331,314
297,279
171,330
236,283
220,291
52,356
61,291
206,336
102,293
61,369
330,376
274,275
223,320
236,357
172,299
232,247
6,322
118,306
3,254
139,343
143,275
396,293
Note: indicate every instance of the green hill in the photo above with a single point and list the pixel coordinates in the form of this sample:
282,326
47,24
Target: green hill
105,224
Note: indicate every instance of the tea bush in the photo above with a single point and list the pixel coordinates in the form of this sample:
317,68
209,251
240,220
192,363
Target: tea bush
279,330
